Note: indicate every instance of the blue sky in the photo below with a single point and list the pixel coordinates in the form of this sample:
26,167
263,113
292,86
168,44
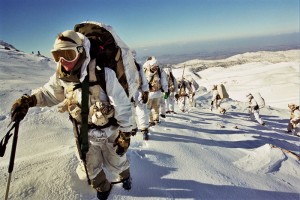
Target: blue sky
32,25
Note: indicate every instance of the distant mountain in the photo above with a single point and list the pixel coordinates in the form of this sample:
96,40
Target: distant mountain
218,49
7,46
249,57
4,45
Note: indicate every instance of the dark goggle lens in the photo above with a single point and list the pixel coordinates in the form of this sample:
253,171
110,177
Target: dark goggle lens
68,54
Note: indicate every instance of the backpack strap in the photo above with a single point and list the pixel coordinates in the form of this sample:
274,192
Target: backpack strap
172,77
84,146
85,93
159,73
138,66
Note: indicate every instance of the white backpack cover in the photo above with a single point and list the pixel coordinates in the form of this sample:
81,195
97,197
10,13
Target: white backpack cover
258,98
222,91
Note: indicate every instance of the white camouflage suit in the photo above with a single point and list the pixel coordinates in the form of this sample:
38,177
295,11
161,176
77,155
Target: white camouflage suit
192,101
254,110
295,120
170,101
101,152
183,92
140,109
216,100
296,123
155,96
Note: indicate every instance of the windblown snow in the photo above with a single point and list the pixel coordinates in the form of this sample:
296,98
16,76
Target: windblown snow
189,155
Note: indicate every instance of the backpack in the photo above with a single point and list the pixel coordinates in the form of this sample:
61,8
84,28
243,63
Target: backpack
154,83
258,98
171,85
222,91
183,84
110,51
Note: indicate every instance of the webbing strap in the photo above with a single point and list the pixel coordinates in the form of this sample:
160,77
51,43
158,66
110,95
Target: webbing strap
84,146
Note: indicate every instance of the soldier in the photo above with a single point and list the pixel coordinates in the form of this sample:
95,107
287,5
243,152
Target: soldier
157,85
106,127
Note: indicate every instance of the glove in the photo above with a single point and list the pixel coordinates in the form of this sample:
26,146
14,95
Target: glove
176,97
166,95
122,142
20,107
193,94
211,107
145,96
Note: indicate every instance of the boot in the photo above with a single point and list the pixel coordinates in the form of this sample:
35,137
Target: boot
151,124
163,116
103,195
126,183
145,134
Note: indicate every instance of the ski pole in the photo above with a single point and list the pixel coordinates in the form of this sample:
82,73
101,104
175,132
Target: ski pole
12,156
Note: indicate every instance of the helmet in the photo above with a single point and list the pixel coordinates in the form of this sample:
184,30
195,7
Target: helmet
292,106
152,63
67,48
67,39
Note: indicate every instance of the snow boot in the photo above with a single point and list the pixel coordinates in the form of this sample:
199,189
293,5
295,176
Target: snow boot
103,195
145,134
151,124
223,111
163,116
126,183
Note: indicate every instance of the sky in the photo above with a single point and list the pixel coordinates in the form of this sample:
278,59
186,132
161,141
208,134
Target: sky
32,25
198,154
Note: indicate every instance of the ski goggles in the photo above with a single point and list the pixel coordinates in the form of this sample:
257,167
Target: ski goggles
69,54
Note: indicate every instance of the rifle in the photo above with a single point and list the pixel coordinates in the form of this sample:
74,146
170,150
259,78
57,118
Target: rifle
82,155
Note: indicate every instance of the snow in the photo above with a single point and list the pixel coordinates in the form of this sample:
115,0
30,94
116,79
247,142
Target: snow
188,156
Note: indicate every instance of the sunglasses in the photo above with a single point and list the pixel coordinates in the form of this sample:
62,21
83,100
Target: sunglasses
69,53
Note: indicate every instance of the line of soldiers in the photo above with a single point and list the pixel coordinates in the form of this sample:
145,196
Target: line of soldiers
254,106
157,95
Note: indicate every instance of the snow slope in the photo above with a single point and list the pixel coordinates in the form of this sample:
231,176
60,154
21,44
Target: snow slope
274,74
188,156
